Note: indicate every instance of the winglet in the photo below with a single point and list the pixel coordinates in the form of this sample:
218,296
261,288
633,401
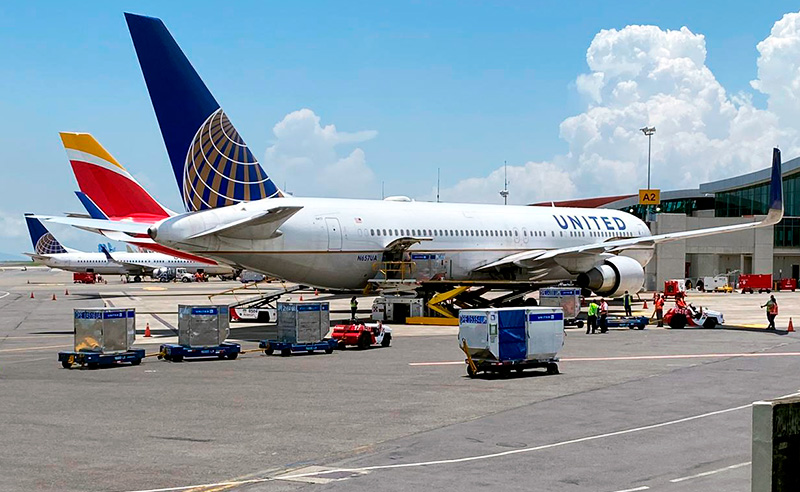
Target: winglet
90,206
775,213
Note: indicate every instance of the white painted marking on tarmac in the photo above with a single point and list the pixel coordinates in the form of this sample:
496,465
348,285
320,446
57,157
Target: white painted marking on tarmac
451,461
639,357
4,294
637,489
712,472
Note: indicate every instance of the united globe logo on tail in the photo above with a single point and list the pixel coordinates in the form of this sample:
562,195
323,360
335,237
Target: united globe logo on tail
220,170
49,245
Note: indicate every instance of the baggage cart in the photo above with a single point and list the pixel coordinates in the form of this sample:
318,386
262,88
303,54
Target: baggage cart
202,331
102,336
176,352
287,348
631,322
302,322
93,360
499,340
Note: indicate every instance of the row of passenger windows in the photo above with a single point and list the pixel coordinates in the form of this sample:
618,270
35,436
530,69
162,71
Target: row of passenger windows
601,234
147,261
454,232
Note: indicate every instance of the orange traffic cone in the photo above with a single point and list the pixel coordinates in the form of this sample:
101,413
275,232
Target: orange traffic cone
645,304
316,292
147,330
54,297
301,297
791,326
32,295
66,292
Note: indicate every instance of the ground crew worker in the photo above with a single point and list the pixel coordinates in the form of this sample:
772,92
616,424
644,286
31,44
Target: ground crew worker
772,312
659,303
603,316
627,300
591,318
353,308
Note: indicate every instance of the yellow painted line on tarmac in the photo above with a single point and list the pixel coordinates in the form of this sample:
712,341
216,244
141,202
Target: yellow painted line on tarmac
23,349
37,336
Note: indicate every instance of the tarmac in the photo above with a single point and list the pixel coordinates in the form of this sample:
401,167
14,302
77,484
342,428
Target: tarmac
656,409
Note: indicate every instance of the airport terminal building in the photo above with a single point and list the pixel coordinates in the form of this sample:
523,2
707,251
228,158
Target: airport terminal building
744,198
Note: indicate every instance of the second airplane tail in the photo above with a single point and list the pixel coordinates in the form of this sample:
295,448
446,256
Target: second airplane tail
44,243
106,183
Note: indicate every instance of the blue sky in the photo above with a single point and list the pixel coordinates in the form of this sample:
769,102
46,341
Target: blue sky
456,85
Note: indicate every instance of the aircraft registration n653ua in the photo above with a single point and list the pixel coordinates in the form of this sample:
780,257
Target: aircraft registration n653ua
236,214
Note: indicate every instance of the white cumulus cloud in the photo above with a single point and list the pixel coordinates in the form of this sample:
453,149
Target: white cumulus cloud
305,156
647,76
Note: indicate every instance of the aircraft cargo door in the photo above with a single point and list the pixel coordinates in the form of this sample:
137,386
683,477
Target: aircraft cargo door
334,234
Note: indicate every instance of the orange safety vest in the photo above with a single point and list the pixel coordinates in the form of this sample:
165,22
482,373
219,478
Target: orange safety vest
659,304
774,308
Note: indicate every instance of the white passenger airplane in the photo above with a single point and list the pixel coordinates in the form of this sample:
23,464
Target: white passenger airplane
236,214
50,252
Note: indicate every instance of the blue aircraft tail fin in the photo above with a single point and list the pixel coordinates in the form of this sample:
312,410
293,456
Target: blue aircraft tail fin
212,164
43,241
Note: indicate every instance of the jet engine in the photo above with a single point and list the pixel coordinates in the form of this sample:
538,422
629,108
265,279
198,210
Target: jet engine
613,277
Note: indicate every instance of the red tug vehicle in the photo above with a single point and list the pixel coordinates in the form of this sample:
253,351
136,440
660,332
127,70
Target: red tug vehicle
362,335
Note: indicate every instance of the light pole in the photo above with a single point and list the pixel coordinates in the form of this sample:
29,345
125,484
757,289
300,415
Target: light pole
504,191
649,131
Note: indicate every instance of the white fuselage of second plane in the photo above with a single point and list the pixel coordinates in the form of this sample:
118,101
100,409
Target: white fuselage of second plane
125,263
340,243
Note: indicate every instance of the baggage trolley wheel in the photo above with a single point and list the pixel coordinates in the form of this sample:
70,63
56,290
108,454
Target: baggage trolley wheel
93,365
136,362
233,355
286,352
387,340
341,345
269,350
66,364
470,372
221,356
177,358
520,369
552,368
329,350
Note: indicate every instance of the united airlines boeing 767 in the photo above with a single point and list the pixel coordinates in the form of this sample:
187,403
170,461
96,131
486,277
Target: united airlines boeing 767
236,214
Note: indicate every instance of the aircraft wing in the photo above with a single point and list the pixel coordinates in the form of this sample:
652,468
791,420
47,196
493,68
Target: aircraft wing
528,259
99,225
133,268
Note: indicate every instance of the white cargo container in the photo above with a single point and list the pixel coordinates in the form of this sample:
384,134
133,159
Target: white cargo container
501,339
202,326
104,330
303,322
567,298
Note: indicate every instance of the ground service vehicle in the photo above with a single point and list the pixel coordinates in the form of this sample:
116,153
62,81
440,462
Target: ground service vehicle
681,317
362,335
755,282
787,284
84,278
714,284
672,287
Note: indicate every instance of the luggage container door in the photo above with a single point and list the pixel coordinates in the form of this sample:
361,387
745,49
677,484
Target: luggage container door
334,234
512,344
